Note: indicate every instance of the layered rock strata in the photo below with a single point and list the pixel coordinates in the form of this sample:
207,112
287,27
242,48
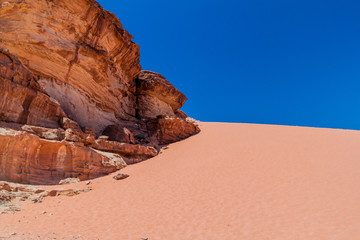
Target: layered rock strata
83,56
26,158
22,100
157,96
74,102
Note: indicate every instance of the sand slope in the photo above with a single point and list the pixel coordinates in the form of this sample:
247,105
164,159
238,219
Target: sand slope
231,181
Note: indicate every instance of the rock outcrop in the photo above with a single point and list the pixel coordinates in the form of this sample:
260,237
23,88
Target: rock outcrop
26,158
12,192
157,96
130,153
83,56
22,100
168,130
74,102
119,134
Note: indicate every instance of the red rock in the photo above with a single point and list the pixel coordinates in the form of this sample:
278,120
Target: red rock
119,134
90,131
83,56
180,114
26,158
168,130
151,107
67,123
131,153
22,100
46,133
77,68
72,135
154,84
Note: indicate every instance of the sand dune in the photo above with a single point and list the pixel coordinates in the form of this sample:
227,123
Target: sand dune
231,181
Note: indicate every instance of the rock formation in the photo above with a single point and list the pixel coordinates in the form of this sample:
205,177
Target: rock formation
27,158
10,193
73,99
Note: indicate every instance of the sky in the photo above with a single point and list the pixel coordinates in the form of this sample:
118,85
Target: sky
287,62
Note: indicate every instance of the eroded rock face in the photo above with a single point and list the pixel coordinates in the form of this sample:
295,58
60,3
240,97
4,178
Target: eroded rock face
157,96
119,134
26,158
81,52
130,153
168,130
154,84
69,72
22,100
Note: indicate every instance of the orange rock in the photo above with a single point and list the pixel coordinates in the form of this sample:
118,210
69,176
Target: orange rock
153,84
151,107
119,134
88,66
46,133
180,114
67,123
26,158
168,130
22,100
131,153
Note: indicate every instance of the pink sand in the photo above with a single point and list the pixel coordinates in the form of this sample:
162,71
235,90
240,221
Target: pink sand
231,181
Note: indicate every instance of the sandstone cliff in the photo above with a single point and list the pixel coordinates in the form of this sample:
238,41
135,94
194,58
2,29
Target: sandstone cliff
73,99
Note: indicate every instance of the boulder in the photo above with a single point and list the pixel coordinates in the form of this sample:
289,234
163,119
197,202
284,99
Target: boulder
119,134
120,176
169,130
131,153
69,181
151,107
46,133
67,123
90,131
180,114
153,84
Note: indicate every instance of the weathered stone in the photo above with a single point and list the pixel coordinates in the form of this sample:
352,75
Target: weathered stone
168,130
120,176
180,114
83,55
67,123
151,107
90,131
46,133
72,135
103,137
69,181
26,158
153,84
13,191
119,134
131,153
22,100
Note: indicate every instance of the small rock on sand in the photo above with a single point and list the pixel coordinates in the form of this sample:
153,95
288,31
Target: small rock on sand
120,176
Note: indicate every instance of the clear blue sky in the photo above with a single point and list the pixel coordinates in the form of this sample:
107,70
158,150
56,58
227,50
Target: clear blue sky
289,62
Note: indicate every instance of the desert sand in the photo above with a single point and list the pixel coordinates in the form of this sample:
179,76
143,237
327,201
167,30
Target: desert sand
231,181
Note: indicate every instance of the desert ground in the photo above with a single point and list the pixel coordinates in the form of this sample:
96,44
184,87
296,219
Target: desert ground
231,181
